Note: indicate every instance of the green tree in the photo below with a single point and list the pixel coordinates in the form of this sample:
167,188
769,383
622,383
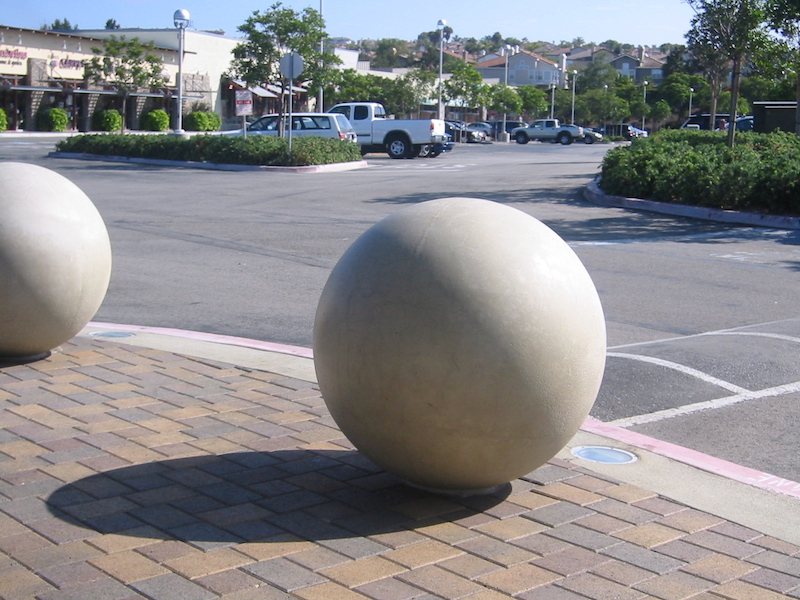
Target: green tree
504,99
59,25
129,65
784,17
388,52
465,84
112,24
534,101
735,29
271,34
660,111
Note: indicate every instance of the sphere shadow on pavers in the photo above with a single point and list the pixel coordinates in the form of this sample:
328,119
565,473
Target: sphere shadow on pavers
221,500
459,344
55,261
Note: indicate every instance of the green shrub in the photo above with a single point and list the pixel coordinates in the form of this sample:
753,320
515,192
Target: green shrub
155,120
3,120
760,173
107,120
200,120
220,149
53,119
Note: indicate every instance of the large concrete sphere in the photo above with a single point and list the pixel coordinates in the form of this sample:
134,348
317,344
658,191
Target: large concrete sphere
55,260
459,344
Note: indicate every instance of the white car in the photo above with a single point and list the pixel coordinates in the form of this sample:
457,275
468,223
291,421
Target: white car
326,125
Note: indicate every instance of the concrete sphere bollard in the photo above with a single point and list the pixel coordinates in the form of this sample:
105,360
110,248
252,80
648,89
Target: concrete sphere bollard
55,260
459,344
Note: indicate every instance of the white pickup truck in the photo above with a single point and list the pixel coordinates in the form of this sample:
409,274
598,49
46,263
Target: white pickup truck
549,130
400,138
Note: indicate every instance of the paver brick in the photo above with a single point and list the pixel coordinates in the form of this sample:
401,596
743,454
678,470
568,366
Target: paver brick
598,588
649,535
128,566
674,586
519,578
720,568
441,583
773,580
422,554
365,570
571,561
741,590
283,574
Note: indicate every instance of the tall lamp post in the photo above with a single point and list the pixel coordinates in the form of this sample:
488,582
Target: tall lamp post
507,49
181,20
440,26
552,99
321,52
691,93
644,108
574,82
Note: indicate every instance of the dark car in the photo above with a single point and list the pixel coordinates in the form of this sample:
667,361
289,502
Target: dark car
460,132
702,121
497,126
625,130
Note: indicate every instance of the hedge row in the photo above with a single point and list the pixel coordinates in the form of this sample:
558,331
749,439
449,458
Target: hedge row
219,149
761,173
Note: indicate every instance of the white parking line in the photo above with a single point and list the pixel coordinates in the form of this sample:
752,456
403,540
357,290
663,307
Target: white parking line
683,369
686,409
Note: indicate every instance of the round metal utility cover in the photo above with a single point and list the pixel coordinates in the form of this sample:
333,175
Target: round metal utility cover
112,334
605,455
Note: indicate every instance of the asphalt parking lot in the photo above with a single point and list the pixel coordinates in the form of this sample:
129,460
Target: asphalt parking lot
702,317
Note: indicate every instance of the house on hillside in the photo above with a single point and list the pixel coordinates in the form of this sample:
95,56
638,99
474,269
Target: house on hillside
520,68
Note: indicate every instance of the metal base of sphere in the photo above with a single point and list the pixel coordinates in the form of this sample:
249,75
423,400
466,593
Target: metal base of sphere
459,344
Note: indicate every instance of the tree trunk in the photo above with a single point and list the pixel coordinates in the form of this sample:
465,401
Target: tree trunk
737,75
797,110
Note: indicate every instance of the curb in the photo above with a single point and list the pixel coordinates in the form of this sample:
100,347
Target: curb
592,193
330,168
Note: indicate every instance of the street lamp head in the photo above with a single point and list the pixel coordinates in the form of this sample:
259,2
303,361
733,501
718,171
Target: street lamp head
181,18
441,24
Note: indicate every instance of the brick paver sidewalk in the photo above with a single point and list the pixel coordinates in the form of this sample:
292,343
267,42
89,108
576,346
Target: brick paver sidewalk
136,473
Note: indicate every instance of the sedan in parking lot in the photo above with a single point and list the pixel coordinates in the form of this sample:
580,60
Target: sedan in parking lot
326,125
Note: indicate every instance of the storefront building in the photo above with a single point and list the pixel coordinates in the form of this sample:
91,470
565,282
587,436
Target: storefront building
45,69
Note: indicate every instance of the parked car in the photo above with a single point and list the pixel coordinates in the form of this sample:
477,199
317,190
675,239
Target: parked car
303,124
460,132
497,126
590,136
548,130
483,126
744,123
702,121
626,130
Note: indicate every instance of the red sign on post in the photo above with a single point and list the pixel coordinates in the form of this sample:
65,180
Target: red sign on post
244,103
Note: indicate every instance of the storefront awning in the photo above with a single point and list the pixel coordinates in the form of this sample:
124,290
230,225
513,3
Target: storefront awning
256,89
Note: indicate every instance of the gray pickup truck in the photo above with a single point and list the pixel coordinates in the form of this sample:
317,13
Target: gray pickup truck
548,130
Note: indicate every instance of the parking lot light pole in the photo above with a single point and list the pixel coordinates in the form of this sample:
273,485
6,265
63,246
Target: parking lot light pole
503,134
574,81
691,93
440,26
181,20
644,109
552,99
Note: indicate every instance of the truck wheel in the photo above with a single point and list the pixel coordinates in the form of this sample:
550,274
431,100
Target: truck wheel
398,147
434,153
521,138
564,138
424,151
589,139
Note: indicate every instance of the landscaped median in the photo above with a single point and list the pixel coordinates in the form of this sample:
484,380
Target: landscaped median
216,151
760,174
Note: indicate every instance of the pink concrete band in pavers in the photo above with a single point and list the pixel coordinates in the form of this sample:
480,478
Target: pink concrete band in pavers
686,456
691,457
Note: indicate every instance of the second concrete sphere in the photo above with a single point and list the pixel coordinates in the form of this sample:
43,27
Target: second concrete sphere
459,344
55,260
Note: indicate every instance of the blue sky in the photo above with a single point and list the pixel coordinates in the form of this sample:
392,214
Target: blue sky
648,22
